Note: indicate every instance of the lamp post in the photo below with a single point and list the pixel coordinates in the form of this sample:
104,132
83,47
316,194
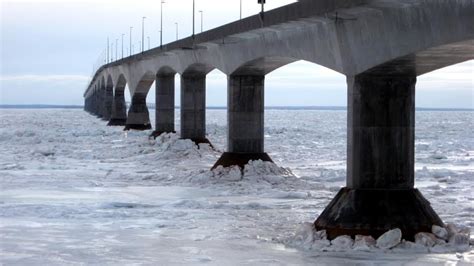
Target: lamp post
148,42
202,20
161,24
240,9
108,50
143,34
122,44
131,28
194,13
116,49
177,30
112,53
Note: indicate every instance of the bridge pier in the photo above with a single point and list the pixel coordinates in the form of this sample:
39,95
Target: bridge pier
380,193
119,109
138,116
99,101
164,120
108,102
193,107
245,114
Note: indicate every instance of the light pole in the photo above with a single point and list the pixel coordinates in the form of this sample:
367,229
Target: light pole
116,49
240,9
161,24
202,20
194,13
108,50
112,53
176,23
131,28
122,44
143,34
148,42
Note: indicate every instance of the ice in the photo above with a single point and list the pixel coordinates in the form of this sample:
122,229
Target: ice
389,239
425,239
341,243
364,243
440,232
74,192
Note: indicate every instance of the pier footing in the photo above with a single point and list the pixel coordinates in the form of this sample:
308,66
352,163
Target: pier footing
375,211
240,159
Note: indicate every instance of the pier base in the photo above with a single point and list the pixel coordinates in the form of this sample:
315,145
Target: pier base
240,159
117,122
374,212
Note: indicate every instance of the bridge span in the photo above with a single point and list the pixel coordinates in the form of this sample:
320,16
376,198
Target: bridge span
380,45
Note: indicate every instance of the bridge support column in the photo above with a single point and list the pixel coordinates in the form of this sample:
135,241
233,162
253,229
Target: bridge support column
119,109
164,121
98,103
193,108
245,114
108,102
138,116
380,193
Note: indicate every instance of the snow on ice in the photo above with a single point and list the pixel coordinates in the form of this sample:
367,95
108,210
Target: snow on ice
75,192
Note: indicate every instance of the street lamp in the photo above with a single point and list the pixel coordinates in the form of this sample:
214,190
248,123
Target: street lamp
131,28
116,49
194,13
148,42
108,45
240,9
143,34
202,15
122,44
112,53
176,23
161,24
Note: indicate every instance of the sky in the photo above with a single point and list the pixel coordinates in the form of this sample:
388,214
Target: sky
49,47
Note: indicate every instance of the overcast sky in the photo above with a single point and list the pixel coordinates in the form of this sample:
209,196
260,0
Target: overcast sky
48,48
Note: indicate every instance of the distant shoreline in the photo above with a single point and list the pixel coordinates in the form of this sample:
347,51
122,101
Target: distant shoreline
321,108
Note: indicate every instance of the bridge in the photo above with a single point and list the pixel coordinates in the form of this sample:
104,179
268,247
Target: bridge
380,45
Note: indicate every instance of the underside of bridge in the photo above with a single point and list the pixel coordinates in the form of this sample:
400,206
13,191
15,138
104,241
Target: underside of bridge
381,46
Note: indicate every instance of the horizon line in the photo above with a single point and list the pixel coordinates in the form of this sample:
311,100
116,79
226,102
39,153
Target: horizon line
294,107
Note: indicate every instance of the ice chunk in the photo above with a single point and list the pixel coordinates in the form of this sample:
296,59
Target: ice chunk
364,243
425,239
389,239
440,232
460,242
342,242
320,244
304,234
320,235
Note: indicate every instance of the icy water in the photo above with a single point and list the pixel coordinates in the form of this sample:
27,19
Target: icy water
75,192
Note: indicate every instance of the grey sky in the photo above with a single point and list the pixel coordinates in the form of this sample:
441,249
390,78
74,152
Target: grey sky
48,48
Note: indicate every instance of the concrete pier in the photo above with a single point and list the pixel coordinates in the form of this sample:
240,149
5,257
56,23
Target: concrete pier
119,109
138,116
245,114
193,107
165,91
380,193
108,102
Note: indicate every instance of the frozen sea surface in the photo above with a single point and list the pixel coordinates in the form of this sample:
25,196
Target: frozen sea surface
75,192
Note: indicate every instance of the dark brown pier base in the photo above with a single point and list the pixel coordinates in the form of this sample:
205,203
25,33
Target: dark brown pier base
137,127
374,212
155,134
240,159
117,122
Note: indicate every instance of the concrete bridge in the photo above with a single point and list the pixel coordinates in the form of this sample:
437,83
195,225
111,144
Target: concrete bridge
380,45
